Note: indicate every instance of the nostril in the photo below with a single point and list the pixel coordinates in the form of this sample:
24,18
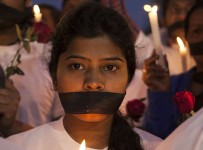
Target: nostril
94,86
100,87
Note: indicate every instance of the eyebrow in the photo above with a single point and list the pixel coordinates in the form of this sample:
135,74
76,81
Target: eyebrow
76,56
113,58
103,59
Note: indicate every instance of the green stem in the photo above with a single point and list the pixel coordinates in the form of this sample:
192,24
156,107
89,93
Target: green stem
13,60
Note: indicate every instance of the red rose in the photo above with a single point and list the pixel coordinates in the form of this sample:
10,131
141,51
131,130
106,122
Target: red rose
42,32
185,101
135,109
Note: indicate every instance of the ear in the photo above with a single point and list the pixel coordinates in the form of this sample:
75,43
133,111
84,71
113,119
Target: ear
53,77
55,85
54,82
28,3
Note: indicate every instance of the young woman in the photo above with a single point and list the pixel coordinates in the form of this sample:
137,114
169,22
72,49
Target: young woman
92,62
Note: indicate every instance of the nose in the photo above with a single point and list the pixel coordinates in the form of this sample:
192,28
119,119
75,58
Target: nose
94,86
182,15
93,81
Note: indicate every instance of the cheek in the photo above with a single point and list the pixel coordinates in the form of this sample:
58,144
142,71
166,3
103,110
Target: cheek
198,59
67,82
170,19
117,84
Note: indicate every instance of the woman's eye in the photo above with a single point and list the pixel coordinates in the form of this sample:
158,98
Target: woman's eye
175,10
110,68
77,67
195,32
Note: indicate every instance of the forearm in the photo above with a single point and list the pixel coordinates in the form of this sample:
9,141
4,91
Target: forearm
17,127
161,115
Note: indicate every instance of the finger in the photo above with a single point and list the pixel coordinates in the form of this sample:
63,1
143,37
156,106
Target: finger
166,62
9,84
152,77
4,100
10,93
8,109
7,121
151,60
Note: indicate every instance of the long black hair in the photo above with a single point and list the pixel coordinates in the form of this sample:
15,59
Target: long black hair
93,20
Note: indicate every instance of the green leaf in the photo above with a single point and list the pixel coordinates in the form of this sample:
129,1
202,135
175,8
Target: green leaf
9,71
18,59
18,31
19,71
13,70
29,33
26,45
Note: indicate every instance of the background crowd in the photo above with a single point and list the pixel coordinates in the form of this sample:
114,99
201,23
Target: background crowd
159,101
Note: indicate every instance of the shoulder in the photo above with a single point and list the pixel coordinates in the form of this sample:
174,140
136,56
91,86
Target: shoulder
30,134
39,134
188,135
7,145
150,142
40,48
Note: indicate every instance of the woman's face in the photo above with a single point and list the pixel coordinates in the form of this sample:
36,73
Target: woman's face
195,32
95,64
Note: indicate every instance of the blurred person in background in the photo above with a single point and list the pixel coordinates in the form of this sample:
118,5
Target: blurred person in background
163,114
26,101
50,16
173,16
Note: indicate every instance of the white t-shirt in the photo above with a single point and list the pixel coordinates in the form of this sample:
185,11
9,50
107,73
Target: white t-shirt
52,136
39,103
188,136
143,48
137,88
7,145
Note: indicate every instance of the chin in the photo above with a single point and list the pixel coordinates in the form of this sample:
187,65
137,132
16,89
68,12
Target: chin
92,117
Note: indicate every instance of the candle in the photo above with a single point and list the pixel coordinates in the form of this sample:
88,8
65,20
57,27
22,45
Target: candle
82,145
37,14
183,53
153,18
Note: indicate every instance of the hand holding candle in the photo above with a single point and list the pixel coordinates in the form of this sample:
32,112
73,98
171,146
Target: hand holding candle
37,14
155,32
82,145
183,52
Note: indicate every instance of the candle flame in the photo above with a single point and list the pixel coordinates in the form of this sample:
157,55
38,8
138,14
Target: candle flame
36,9
181,45
82,145
147,8
154,8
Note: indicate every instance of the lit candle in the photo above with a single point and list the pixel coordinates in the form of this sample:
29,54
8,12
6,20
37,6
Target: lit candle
37,14
183,52
82,145
153,18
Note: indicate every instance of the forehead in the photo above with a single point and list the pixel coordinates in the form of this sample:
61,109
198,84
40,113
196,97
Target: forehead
94,47
17,4
180,2
71,4
196,17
